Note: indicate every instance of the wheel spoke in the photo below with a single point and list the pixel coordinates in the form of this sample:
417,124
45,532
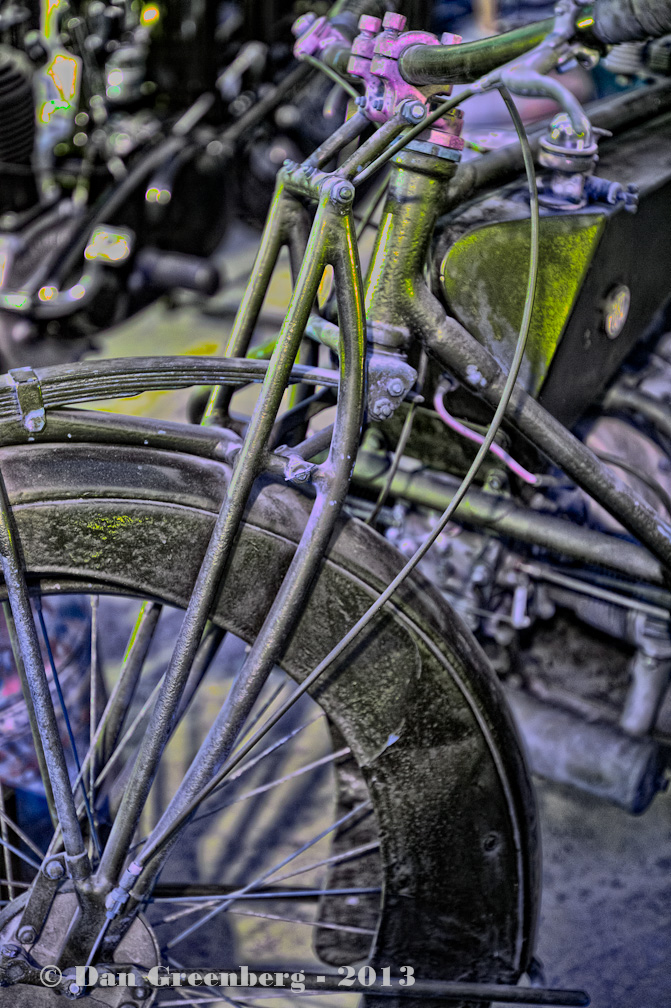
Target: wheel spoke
364,806
8,822
19,853
139,717
251,763
66,718
199,903
123,692
262,788
262,710
301,920
343,856
15,884
269,894
93,701
4,836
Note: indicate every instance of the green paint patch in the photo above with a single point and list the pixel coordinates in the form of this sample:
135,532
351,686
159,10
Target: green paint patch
109,525
485,278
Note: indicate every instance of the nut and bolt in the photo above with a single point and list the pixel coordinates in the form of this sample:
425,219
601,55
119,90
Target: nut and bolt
393,21
413,111
395,387
26,935
370,24
360,101
382,409
298,471
34,422
342,192
378,104
54,870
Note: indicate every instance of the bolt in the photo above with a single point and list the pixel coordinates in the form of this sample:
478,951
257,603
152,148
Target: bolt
34,423
393,22
369,24
342,192
302,24
378,104
395,387
140,993
298,471
26,935
54,870
10,951
447,38
382,409
361,101
413,112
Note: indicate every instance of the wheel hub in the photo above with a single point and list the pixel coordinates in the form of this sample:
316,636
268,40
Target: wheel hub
24,964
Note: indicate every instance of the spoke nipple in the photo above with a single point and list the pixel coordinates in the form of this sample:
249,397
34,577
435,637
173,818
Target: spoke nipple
26,935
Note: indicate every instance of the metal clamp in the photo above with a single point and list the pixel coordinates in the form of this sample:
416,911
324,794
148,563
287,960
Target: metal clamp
28,391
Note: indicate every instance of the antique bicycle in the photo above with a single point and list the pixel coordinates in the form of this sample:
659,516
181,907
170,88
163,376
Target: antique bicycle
420,854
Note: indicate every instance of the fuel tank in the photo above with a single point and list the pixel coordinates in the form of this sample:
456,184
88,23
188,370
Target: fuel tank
603,279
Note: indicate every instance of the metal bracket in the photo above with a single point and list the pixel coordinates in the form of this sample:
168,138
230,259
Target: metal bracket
44,889
28,391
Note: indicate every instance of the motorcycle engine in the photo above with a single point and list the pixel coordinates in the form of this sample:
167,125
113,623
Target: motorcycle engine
584,655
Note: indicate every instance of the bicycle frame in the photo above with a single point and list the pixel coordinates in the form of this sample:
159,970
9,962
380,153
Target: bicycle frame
399,309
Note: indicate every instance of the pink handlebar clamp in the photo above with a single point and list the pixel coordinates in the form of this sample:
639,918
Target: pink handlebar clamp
375,55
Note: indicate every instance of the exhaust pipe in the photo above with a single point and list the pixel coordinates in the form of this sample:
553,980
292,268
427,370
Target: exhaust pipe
594,757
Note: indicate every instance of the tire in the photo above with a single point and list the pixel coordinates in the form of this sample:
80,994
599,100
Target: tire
415,700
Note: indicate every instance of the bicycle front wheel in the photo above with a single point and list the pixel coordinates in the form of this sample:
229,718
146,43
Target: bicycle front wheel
411,838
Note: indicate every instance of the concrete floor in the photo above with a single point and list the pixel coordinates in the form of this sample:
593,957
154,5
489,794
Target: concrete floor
605,921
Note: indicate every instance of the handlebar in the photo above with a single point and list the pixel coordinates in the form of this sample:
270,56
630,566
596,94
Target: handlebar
466,62
603,22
